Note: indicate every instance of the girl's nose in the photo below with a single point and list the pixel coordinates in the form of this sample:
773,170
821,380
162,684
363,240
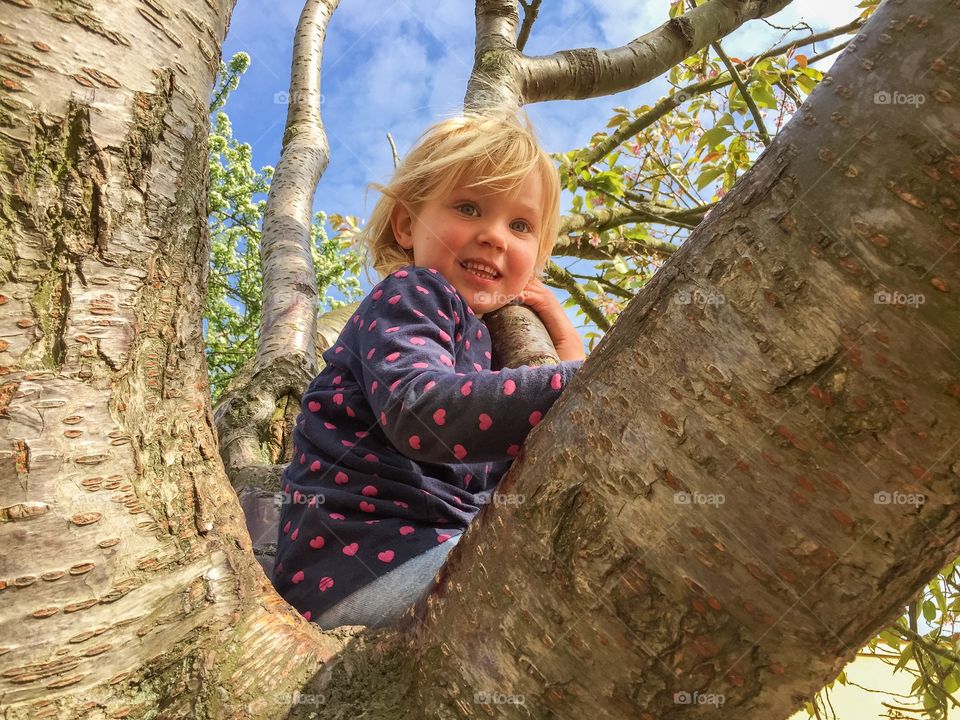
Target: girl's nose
493,234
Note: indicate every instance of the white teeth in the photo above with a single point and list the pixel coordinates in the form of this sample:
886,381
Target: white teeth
482,270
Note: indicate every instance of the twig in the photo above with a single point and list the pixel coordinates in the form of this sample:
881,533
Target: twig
393,149
564,280
745,93
800,42
913,636
530,10
827,53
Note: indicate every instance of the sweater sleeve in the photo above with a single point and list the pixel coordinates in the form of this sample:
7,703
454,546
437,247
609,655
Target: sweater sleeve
428,410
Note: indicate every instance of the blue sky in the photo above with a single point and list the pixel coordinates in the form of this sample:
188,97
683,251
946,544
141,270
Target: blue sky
399,65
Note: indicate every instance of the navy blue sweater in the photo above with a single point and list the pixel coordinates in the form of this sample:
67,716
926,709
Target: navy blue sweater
401,438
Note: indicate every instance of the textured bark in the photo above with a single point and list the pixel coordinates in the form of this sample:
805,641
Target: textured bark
128,583
127,579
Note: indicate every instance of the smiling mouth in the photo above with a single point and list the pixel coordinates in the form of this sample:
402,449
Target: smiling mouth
480,273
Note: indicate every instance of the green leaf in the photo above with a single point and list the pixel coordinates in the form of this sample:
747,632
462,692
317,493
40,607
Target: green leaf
952,681
713,137
763,96
906,654
929,610
708,176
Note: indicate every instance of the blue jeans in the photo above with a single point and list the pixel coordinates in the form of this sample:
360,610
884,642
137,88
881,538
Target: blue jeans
383,601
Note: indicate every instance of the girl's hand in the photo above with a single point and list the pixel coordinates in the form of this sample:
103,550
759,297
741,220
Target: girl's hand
564,335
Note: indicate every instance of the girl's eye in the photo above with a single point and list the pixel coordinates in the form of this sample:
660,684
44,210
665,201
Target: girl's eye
467,208
520,226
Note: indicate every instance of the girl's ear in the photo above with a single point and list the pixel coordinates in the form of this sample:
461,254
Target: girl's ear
401,222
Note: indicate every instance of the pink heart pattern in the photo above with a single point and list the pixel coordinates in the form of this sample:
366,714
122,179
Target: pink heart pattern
416,370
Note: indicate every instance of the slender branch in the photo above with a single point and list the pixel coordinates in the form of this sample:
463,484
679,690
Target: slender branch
588,72
677,180
644,212
700,210
663,106
611,287
393,149
237,222
563,280
530,10
667,104
852,26
908,634
827,53
938,683
603,219
745,94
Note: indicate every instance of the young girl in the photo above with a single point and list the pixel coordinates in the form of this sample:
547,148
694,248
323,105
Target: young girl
407,430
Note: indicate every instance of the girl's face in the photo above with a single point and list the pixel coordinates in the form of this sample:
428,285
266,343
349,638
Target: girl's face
498,230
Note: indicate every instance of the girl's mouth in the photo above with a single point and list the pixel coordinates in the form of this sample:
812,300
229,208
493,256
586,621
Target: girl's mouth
479,274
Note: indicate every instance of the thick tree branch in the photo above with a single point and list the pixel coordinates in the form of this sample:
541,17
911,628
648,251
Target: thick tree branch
587,72
497,22
289,282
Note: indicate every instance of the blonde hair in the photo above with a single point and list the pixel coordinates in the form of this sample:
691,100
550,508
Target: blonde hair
497,147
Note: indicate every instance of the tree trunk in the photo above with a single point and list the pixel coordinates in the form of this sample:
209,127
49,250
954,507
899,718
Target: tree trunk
127,577
703,511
